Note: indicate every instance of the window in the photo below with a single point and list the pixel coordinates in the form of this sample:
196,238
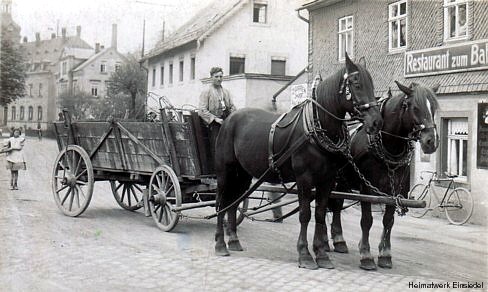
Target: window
39,113
171,73
21,113
346,39
64,68
30,89
117,67
162,75
455,19
397,25
457,147
103,68
63,87
259,13
31,113
154,77
94,90
237,65
278,67
181,71
192,68
40,90
75,86
14,113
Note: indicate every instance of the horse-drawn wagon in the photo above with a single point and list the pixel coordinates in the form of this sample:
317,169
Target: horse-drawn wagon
165,166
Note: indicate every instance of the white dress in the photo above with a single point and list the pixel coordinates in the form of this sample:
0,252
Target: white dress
15,156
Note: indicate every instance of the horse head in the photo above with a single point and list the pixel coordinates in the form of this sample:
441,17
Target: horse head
420,104
358,90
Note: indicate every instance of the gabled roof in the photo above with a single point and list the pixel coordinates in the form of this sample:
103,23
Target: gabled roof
199,26
50,50
78,53
96,56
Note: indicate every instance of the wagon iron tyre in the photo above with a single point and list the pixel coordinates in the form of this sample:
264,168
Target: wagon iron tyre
127,194
164,195
459,206
73,180
420,193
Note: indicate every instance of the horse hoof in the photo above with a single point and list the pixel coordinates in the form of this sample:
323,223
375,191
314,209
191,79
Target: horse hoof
235,245
221,250
341,247
385,262
368,264
325,263
307,263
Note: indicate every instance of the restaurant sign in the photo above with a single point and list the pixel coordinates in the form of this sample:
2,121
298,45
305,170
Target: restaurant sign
448,59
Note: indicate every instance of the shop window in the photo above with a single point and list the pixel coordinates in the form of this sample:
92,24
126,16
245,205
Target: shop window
397,25
346,37
181,71
192,68
278,67
21,113
456,146
162,75
39,113
455,19
237,65
31,113
260,11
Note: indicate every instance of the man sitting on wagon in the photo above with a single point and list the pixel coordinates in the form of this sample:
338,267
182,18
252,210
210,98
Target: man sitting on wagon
215,104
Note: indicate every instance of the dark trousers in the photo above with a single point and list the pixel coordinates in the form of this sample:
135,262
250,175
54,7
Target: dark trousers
214,129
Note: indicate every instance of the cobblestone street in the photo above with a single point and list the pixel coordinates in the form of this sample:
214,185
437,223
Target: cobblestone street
110,249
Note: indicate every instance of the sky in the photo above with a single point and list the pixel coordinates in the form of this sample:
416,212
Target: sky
96,18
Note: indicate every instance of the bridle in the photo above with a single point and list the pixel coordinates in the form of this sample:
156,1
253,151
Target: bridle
349,94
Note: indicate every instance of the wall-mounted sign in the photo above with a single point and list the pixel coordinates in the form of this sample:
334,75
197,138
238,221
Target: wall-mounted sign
463,57
298,93
482,142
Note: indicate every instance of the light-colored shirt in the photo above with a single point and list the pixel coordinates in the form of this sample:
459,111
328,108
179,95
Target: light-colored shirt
213,102
16,144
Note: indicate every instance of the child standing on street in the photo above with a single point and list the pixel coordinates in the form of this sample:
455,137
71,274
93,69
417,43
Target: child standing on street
15,157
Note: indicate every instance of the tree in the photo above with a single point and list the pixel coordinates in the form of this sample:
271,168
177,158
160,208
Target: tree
80,104
12,72
129,80
116,106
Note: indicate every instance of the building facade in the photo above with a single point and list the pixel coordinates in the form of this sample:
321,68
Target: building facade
438,42
243,37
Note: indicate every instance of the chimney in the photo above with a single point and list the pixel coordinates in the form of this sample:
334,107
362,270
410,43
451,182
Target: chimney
114,36
102,47
78,31
25,39
63,32
97,48
53,35
38,38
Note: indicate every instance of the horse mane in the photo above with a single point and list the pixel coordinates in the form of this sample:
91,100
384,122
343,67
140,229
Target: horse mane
422,92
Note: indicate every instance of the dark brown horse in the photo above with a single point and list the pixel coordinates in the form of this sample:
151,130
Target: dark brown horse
386,164
243,153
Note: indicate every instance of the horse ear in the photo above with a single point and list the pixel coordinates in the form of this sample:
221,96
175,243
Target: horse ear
389,92
350,66
436,87
403,88
362,62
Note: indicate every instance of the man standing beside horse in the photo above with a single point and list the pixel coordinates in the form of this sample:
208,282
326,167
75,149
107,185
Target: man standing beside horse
215,104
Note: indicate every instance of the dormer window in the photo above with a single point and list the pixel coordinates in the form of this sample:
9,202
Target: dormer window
260,11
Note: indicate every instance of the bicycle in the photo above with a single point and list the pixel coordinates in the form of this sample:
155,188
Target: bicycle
457,203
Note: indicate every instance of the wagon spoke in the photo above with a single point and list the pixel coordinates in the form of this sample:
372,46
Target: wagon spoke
82,192
134,193
59,176
73,158
161,214
62,188
128,194
80,182
156,188
159,181
157,208
65,196
138,188
123,193
118,187
166,182
81,173
71,200
169,189
78,165
78,196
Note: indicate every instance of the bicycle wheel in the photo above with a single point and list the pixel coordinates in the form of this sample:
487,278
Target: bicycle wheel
419,192
459,206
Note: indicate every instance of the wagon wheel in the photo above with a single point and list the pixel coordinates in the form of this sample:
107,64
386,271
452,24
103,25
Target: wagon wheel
164,194
127,194
72,180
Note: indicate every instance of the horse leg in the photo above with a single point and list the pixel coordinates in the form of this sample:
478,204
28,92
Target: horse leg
305,259
384,257
220,246
243,180
367,261
320,236
340,245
